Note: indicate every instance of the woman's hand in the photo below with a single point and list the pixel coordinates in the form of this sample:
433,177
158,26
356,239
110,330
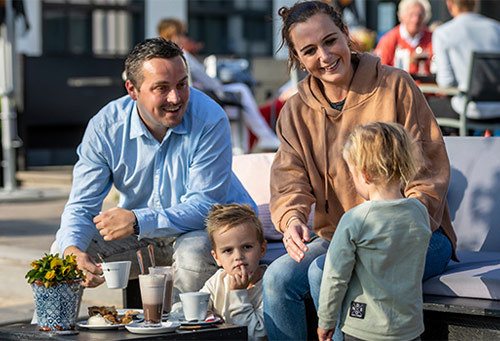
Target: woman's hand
294,237
91,270
325,334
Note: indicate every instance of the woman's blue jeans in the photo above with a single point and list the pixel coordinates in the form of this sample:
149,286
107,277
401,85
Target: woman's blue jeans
287,283
285,288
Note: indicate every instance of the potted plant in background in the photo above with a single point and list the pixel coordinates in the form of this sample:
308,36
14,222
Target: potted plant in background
56,284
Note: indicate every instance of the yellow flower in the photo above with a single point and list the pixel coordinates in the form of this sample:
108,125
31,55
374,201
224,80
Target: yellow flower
71,259
35,265
50,275
66,270
56,262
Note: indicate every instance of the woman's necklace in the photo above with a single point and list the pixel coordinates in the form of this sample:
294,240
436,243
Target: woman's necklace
338,105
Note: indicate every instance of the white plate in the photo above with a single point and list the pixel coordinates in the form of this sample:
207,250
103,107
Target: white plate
138,328
121,312
216,319
136,317
84,324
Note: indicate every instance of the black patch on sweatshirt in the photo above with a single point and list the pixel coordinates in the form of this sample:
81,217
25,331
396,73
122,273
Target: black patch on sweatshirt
357,310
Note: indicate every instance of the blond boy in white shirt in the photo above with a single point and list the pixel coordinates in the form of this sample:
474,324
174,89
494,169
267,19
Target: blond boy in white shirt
238,244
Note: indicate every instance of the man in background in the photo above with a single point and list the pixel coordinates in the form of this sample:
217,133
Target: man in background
453,44
408,46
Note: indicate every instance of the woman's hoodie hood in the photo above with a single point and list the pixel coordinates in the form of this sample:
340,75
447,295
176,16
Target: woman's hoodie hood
363,85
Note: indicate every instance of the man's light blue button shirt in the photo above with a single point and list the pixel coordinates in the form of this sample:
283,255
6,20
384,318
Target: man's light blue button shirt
170,186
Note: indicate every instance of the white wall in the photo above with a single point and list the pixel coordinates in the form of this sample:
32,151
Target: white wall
155,10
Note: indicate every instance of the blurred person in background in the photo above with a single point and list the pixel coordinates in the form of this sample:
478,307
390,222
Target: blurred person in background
175,30
453,43
408,46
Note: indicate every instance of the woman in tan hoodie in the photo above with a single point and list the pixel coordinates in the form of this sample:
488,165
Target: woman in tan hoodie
344,89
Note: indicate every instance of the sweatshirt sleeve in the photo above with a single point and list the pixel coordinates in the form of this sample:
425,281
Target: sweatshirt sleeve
209,288
430,184
242,312
291,191
386,48
339,264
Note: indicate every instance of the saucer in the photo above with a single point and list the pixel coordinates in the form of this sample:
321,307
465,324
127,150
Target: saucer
211,320
139,328
84,324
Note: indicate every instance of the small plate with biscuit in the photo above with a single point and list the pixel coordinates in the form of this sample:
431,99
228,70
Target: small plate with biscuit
101,318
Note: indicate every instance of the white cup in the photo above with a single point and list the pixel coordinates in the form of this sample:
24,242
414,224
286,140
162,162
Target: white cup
116,274
195,305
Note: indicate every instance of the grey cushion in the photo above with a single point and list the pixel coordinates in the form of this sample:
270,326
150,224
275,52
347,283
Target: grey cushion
476,276
473,199
474,192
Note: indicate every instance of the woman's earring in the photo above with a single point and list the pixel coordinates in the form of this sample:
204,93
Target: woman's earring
302,67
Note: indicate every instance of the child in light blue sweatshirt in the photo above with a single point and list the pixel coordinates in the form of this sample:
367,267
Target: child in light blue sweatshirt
375,262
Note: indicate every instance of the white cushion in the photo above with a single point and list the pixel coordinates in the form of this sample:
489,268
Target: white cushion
253,170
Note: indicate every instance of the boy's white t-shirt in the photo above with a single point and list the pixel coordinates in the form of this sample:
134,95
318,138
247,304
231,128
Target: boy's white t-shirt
240,307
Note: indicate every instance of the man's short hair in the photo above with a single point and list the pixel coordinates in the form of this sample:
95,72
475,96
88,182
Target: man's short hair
146,50
465,5
225,217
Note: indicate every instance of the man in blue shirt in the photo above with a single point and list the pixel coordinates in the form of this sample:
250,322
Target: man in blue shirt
167,150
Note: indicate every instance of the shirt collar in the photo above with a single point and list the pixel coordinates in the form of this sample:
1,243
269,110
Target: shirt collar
413,41
138,128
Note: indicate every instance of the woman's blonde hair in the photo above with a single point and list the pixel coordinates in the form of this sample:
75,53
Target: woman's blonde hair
384,151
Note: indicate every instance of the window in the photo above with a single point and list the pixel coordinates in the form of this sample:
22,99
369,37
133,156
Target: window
91,27
232,27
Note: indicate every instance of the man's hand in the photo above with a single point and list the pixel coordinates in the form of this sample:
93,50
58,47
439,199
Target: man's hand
240,280
325,334
87,265
115,223
294,238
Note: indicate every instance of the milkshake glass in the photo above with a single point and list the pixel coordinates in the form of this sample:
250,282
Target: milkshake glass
168,271
152,291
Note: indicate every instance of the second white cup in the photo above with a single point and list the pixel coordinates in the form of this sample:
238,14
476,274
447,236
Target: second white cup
116,274
195,305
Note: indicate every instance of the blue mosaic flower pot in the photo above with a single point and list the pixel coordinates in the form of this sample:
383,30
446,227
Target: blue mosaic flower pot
57,307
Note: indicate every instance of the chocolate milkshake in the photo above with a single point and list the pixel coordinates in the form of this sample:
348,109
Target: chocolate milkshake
168,271
152,291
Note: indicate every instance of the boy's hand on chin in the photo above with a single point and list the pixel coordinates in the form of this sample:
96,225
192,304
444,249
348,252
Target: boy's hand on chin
240,280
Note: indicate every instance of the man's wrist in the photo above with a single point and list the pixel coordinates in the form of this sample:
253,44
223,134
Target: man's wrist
136,227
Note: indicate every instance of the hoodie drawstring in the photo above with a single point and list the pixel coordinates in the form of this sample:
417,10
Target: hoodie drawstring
326,159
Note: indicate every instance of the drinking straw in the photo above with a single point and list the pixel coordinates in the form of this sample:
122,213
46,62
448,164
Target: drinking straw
141,263
100,257
152,255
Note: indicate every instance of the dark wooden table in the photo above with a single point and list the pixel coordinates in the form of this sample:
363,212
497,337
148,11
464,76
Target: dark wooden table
25,331
460,318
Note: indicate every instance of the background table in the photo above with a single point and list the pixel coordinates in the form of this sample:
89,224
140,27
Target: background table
25,331
432,88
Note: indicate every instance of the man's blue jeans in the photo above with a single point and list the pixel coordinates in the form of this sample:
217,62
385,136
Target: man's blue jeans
287,283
